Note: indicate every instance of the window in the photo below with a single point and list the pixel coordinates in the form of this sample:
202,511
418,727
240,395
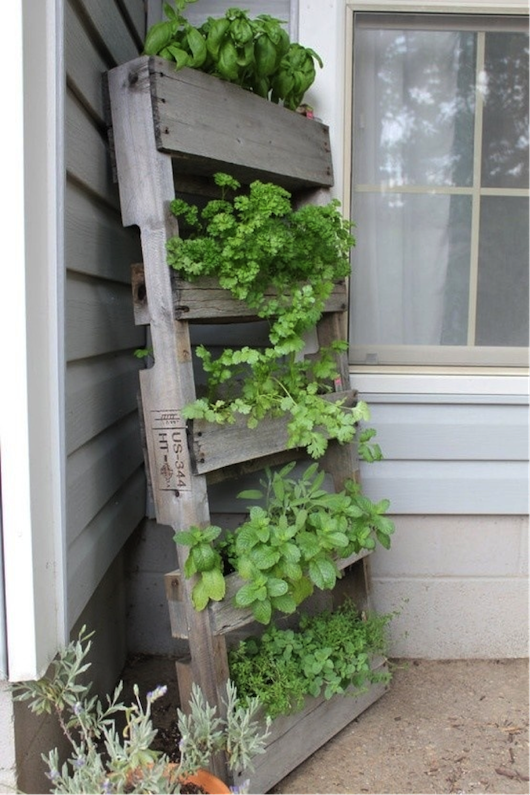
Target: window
440,190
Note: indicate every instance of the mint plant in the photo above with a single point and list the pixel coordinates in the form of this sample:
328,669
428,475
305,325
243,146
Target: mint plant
287,548
256,54
328,654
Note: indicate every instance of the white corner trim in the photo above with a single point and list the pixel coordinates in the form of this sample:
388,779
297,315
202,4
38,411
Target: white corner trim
31,403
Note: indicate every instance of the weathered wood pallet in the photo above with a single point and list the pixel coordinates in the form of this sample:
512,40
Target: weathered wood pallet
204,300
296,737
225,616
170,132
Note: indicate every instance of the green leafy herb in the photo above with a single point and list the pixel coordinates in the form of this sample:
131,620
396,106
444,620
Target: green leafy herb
327,655
283,263
256,54
288,547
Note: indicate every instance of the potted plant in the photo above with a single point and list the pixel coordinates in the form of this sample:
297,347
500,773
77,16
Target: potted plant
112,743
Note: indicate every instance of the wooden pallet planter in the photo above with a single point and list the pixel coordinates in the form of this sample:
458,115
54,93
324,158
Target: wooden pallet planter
224,616
296,737
170,132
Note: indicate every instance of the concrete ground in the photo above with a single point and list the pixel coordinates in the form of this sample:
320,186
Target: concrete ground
443,727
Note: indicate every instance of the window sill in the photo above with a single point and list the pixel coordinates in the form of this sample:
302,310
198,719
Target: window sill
508,383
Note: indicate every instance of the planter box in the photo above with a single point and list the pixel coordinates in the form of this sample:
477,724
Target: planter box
295,737
225,617
205,301
208,125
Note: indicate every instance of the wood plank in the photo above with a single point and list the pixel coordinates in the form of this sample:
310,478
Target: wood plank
295,737
218,446
204,299
241,133
225,616
99,393
146,187
99,319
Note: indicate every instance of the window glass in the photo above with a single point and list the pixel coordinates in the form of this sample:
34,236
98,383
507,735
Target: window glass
440,186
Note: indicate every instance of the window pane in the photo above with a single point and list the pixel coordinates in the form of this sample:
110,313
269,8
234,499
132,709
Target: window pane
505,136
502,304
410,282
414,97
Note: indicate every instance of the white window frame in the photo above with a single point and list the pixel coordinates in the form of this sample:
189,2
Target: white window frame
517,366
32,394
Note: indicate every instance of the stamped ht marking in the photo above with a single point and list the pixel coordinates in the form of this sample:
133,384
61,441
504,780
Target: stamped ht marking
171,454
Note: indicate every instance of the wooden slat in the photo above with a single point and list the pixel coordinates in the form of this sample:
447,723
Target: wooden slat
146,187
295,737
205,300
225,616
248,134
241,132
217,446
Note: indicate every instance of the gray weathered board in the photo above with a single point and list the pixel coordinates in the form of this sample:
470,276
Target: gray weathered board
170,132
295,737
225,616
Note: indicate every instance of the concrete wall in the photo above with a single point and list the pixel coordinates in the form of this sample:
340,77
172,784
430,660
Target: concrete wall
459,586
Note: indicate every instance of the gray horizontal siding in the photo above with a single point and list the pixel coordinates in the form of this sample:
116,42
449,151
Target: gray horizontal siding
444,457
105,483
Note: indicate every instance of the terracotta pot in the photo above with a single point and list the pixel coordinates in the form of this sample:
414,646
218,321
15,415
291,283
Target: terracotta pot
202,778
208,782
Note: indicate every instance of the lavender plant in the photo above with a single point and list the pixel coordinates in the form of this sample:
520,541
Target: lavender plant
107,757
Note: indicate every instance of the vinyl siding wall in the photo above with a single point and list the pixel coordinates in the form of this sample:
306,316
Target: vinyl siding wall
105,489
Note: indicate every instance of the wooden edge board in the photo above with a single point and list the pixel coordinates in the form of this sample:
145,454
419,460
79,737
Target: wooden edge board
295,737
225,616
217,446
204,300
241,132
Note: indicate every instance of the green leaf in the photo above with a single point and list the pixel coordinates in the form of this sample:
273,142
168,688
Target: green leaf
262,611
250,494
323,573
214,584
276,587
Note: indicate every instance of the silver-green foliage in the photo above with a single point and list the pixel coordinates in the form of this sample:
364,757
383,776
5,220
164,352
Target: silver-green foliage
111,745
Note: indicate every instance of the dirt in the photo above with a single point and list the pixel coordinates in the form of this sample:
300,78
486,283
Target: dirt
443,727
